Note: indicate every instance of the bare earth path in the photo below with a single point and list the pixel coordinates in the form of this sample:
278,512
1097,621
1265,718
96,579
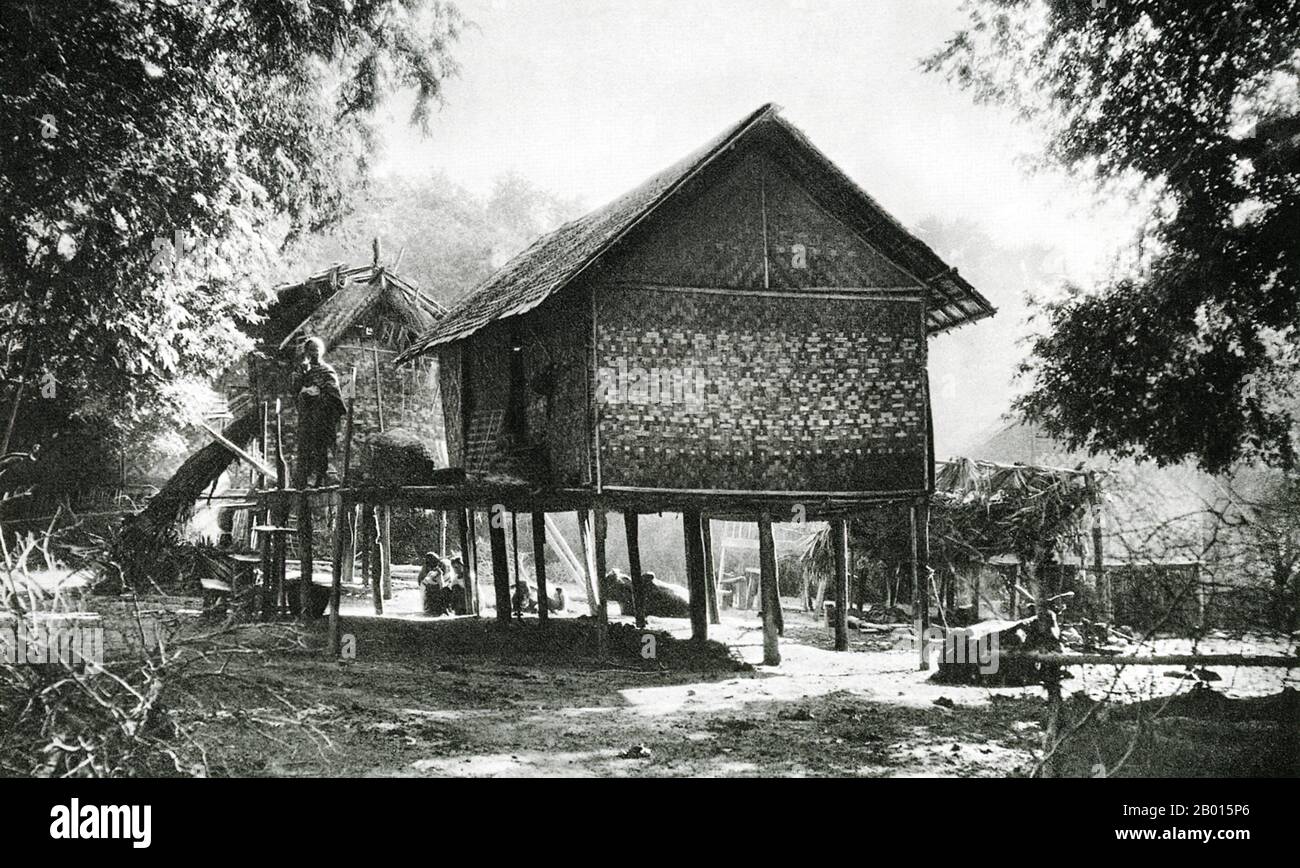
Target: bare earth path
453,698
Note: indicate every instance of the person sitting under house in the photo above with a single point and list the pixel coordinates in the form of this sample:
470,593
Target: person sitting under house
320,406
523,600
442,594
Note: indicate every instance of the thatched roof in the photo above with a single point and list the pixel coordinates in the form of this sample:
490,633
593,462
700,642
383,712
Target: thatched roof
336,299
556,259
1150,513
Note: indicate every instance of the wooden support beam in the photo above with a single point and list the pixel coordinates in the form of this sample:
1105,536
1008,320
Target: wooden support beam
514,545
920,527
342,519
631,528
386,551
561,547
349,529
539,566
500,563
365,533
347,511
306,556
306,545
266,591
587,544
279,516
840,550
601,530
776,585
241,454
768,591
469,555
696,585
710,577
370,565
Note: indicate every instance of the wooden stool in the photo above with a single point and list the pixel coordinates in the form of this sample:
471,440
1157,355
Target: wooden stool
243,574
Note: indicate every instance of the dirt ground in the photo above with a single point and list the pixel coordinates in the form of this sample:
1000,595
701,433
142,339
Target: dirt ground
426,697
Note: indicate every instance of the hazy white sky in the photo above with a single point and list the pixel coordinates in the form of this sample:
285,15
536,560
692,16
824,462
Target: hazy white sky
588,97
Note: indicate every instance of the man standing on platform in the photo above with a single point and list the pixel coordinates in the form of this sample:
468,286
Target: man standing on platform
320,406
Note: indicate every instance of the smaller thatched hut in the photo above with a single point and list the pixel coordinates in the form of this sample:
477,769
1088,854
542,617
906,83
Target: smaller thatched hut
365,315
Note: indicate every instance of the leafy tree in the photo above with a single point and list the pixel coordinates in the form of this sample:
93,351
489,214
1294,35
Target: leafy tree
447,239
1195,106
154,156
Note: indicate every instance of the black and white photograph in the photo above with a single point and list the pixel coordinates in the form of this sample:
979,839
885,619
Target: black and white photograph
651,389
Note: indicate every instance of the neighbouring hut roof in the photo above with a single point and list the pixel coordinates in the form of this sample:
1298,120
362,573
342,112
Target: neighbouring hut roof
555,259
327,304
1150,513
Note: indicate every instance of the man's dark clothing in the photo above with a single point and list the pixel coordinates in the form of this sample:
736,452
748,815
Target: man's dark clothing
318,419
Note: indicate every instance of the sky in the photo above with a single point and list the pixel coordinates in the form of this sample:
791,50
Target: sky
587,98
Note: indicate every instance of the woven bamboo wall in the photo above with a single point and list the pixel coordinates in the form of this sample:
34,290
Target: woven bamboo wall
555,339
713,236
808,394
815,393
553,342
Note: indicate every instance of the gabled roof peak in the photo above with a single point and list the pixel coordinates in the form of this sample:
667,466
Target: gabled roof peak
557,258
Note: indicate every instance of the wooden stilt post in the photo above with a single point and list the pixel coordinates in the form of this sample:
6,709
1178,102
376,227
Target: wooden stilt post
469,555
306,545
514,544
695,577
710,577
920,520
265,597
347,510
600,527
341,521
279,512
771,600
587,543
776,585
265,444
632,531
364,536
539,565
369,561
306,555
500,563
840,549
587,535
386,551
349,542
